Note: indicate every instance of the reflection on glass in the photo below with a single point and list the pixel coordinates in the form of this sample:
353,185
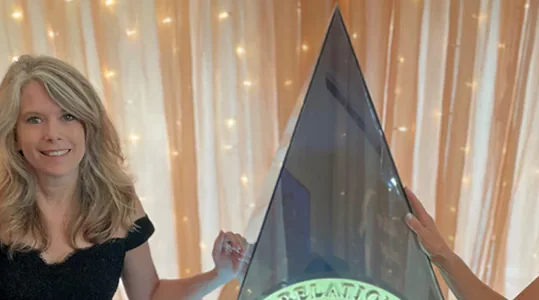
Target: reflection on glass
334,227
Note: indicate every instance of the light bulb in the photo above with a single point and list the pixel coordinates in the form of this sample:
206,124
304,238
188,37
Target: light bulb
402,129
109,2
244,179
224,15
167,20
401,59
230,122
110,74
354,35
240,50
247,83
185,219
15,58
52,34
130,32
288,82
17,15
304,47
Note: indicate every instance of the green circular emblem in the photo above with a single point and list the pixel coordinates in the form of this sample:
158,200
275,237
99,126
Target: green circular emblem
332,289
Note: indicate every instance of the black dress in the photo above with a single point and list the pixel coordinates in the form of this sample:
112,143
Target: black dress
87,274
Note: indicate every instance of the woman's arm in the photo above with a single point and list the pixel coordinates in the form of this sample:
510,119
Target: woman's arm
141,281
462,281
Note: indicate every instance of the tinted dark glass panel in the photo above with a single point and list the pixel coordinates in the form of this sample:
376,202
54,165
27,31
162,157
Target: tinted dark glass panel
334,228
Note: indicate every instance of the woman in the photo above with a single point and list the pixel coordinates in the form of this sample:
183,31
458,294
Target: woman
71,223
464,284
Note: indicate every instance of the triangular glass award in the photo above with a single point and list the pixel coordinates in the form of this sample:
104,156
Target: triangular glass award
334,227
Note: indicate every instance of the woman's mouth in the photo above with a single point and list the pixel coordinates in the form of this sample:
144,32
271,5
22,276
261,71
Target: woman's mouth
55,153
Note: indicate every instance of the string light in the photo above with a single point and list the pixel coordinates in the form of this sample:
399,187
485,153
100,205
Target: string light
167,20
402,129
240,50
185,219
203,246
175,153
527,5
109,2
230,122
354,35
14,59
437,114
251,205
17,15
244,179
134,138
224,15
304,47
465,149
52,34
110,74
288,82
401,59
130,32
453,209
472,84
501,46
247,83
451,238
187,271
465,180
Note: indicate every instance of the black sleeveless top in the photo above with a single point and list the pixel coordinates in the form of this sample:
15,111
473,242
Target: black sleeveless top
87,274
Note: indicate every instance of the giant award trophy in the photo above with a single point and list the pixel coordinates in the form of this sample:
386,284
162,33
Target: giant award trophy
333,227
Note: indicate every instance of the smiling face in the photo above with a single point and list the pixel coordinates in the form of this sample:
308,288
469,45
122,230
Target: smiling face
51,140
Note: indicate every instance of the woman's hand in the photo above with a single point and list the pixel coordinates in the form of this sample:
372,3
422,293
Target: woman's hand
427,233
229,255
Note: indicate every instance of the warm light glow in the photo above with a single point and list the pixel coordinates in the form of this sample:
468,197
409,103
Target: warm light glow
251,205
535,256
175,153
354,35
17,15
472,84
288,82
501,45
203,246
438,114
465,180
402,129
110,74
130,32
134,138
527,5
240,50
187,271
401,59
304,47
14,59
52,34
185,219
230,123
167,20
453,209
244,179
465,149
247,83
343,193
109,2
451,238
224,15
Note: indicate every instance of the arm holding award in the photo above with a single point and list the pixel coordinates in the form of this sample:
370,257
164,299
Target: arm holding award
460,279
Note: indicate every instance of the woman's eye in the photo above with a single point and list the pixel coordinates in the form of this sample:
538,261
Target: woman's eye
68,117
33,120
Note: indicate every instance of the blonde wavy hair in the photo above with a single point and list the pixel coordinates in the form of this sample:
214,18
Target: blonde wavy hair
105,192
